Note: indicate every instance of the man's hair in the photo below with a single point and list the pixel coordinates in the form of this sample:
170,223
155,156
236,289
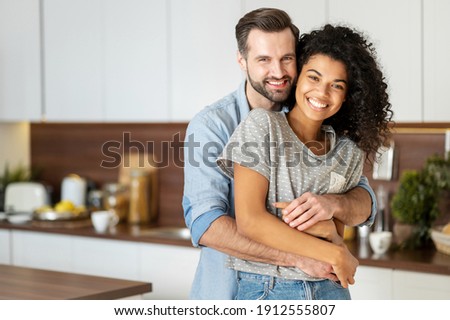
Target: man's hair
264,19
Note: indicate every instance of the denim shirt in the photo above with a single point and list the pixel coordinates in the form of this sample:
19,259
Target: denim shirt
209,193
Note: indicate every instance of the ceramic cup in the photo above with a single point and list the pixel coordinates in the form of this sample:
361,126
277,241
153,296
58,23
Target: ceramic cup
103,220
380,241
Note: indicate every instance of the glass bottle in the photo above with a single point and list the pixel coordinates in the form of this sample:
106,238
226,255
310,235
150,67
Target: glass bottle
116,198
139,197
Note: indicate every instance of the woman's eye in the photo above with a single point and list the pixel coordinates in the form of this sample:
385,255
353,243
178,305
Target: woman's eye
338,86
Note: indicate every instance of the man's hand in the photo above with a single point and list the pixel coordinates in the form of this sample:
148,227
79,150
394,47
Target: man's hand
308,209
312,267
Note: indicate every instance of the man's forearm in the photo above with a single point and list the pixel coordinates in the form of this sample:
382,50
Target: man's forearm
353,207
223,236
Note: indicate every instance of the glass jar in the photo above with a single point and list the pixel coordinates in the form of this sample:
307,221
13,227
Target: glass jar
139,197
116,198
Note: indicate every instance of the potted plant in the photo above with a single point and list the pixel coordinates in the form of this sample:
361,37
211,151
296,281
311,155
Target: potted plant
416,203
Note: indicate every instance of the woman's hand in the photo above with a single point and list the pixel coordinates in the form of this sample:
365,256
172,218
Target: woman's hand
345,266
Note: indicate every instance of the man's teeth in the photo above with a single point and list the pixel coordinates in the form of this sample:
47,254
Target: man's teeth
276,83
316,103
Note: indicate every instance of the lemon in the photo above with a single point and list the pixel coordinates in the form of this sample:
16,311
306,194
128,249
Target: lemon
64,206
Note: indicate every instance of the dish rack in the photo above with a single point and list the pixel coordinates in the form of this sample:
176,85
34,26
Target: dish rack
441,240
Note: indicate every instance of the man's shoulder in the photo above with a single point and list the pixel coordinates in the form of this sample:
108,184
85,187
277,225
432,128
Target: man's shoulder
226,111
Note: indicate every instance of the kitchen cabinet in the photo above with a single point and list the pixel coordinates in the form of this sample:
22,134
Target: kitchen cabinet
20,54
169,268
5,249
106,60
390,284
409,285
395,28
436,66
203,65
306,15
372,284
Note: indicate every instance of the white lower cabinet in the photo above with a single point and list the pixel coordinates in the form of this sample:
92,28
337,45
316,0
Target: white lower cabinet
5,247
169,268
388,284
372,284
410,285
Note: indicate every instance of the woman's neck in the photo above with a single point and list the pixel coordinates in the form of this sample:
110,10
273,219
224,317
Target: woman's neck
308,131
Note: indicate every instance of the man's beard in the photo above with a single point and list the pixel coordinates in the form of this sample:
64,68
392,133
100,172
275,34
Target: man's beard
277,96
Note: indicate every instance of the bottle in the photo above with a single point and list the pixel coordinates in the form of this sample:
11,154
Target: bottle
116,198
139,197
380,220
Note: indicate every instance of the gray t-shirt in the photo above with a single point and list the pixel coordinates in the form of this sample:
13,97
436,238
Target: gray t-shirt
265,142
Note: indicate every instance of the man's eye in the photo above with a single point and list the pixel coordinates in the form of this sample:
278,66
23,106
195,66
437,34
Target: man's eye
313,78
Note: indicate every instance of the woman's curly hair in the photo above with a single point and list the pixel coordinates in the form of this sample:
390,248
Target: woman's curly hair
365,114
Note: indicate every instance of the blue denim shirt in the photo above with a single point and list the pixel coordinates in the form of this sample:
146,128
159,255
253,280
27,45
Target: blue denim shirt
209,194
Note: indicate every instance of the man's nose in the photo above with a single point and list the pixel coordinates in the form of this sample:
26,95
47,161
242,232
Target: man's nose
277,70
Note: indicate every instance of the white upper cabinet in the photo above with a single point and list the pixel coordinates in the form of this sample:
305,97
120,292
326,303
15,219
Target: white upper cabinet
306,15
203,65
105,60
395,29
436,60
20,91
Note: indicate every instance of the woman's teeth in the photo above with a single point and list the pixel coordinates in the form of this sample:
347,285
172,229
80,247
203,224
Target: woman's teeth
316,103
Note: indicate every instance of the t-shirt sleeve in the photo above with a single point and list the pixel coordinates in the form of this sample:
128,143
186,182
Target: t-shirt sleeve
249,146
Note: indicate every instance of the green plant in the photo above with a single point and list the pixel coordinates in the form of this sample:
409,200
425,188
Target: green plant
417,199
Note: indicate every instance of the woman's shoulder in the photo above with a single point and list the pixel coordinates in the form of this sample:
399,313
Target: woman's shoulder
264,116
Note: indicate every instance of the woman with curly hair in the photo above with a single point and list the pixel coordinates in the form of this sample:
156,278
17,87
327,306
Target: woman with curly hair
339,119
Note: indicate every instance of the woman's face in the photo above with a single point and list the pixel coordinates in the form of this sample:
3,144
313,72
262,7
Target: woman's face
321,88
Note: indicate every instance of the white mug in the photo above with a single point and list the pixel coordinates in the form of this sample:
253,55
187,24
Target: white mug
103,220
380,241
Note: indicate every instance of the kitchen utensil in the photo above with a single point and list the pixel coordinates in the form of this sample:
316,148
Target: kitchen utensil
25,197
383,168
74,189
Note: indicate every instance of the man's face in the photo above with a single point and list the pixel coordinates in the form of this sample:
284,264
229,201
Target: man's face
270,66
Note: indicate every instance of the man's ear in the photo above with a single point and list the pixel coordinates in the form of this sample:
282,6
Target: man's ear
242,62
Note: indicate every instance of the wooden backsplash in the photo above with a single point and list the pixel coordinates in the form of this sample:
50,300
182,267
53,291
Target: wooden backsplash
59,149
89,149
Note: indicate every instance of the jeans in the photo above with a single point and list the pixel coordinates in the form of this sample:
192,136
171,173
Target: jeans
259,287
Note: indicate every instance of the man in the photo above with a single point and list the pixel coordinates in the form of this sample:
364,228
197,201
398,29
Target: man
266,44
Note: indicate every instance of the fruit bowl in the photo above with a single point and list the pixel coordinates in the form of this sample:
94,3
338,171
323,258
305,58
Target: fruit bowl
63,210
441,240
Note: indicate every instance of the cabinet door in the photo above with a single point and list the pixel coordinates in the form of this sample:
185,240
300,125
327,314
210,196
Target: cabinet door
372,284
5,247
41,250
409,285
136,60
436,63
395,29
20,71
170,269
74,60
306,15
203,66
106,60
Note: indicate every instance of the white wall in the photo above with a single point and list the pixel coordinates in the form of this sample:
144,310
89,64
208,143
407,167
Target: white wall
14,145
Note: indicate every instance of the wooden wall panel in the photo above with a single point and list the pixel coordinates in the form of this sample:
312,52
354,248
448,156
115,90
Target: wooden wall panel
60,149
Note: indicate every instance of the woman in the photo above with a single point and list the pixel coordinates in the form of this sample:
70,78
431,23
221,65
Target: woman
339,119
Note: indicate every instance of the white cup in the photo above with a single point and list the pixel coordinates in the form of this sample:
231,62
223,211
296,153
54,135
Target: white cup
103,220
380,241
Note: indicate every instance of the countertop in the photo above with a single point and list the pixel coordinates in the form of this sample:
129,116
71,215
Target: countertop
18,283
427,260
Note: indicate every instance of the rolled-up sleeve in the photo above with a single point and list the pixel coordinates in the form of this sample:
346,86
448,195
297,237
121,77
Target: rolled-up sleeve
364,183
206,189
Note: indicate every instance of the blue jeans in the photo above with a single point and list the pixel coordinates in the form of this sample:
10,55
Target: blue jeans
259,287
